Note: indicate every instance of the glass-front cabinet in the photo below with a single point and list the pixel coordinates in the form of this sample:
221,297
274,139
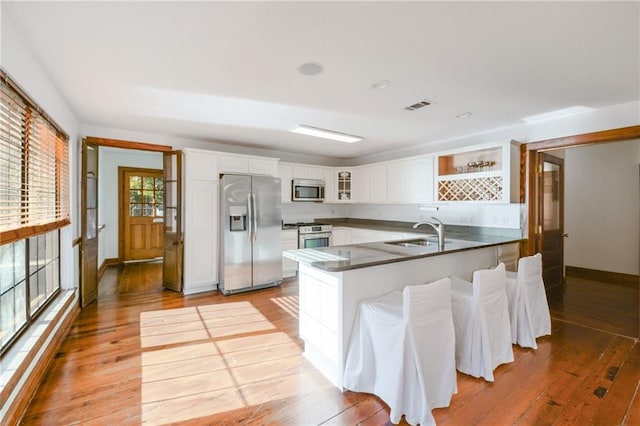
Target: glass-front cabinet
344,185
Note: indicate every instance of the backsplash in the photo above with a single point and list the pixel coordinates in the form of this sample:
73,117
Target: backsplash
307,211
466,214
511,216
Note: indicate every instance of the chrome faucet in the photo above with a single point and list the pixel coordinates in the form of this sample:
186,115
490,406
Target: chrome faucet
438,226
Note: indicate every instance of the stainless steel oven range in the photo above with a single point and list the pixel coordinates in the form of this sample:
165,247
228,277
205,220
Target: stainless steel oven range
313,235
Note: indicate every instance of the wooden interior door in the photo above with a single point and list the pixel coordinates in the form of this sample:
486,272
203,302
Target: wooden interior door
551,211
142,201
172,244
89,224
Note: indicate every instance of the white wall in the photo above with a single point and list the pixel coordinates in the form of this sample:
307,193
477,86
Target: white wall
602,207
109,161
23,67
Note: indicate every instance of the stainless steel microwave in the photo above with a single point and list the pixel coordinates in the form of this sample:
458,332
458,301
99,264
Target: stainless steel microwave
307,190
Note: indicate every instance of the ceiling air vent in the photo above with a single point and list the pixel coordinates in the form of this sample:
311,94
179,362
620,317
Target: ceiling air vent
418,105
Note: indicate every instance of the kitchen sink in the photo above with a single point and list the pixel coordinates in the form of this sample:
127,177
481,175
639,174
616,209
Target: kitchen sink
417,242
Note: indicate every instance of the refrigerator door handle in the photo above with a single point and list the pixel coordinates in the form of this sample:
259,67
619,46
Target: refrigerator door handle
250,218
255,216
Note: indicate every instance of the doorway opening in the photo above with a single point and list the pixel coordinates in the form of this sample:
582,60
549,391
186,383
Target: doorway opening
101,211
592,307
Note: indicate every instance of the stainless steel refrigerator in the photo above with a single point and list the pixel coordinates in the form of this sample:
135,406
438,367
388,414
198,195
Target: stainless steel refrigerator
250,233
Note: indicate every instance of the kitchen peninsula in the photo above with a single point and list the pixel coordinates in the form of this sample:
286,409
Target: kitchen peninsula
333,280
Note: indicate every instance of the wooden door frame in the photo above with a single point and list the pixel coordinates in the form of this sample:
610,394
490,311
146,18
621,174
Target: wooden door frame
116,143
531,160
121,189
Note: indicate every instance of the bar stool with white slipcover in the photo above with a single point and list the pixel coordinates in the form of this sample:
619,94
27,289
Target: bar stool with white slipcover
528,307
403,350
481,320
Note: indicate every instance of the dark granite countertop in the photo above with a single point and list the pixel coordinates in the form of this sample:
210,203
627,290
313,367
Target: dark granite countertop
348,257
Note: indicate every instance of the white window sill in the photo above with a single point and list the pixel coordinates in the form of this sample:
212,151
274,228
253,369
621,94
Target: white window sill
20,360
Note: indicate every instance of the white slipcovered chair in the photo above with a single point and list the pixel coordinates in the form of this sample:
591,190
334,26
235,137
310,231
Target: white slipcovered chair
403,350
481,320
528,307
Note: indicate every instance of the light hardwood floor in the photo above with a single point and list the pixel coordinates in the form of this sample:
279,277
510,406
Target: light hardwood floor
141,355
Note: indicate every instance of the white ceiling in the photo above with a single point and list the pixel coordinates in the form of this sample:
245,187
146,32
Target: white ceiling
228,71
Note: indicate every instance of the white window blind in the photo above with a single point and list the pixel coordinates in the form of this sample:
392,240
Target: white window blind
34,168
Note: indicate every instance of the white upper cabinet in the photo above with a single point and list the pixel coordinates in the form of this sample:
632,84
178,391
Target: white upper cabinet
235,163
263,166
360,184
304,171
410,181
377,183
488,173
330,192
370,184
420,179
200,164
285,173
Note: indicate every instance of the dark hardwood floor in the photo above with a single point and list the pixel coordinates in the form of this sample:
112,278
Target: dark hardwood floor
146,355
601,305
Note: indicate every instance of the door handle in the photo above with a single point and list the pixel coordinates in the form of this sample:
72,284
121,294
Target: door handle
565,235
249,218
255,216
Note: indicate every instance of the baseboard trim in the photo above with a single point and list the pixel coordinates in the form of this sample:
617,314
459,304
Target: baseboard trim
105,263
627,280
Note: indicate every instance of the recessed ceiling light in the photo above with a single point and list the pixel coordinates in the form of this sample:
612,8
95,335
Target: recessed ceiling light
326,134
559,113
464,115
310,68
381,85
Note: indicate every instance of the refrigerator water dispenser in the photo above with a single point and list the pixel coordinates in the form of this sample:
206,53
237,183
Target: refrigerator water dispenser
237,218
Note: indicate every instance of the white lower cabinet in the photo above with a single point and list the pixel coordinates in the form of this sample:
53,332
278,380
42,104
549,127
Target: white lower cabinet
389,236
509,255
341,236
344,236
361,236
289,242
